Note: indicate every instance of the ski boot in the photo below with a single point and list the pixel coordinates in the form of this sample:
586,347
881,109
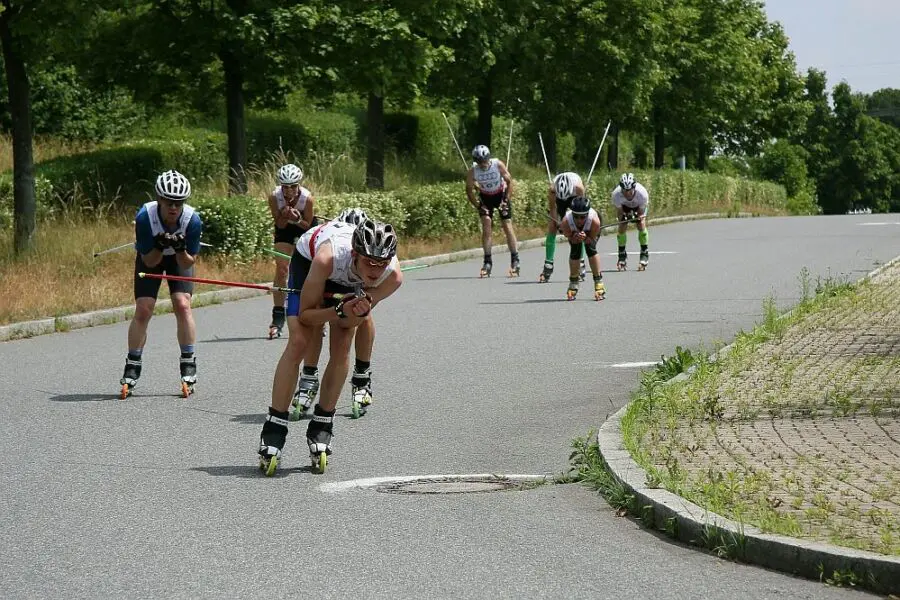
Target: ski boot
361,388
130,376
544,277
645,258
188,375
486,269
514,267
271,441
573,288
622,264
277,322
304,396
583,273
318,438
599,290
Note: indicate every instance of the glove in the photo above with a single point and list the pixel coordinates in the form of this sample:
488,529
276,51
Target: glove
483,210
161,241
177,242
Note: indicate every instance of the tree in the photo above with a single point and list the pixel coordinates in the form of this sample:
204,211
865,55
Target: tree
884,104
24,28
244,50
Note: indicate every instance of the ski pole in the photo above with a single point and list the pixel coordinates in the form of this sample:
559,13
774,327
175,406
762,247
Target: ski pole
130,244
509,144
447,121
544,152
255,286
276,253
598,155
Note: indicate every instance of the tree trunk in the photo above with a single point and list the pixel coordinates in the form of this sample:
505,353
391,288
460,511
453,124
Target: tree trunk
375,142
234,108
24,208
702,155
612,152
483,127
659,140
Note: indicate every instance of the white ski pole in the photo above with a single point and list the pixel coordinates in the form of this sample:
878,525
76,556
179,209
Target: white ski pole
455,143
544,152
509,144
600,149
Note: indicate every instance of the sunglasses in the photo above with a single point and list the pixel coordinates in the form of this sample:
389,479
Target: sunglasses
174,202
377,264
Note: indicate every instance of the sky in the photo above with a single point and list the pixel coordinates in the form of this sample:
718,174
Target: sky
857,41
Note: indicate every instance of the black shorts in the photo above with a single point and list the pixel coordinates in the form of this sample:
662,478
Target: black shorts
149,288
290,234
497,202
299,270
561,207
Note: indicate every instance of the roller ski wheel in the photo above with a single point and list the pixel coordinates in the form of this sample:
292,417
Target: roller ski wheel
583,273
599,291
642,266
319,462
485,270
277,325
268,465
362,399
645,259
544,277
513,272
318,438
274,332
572,292
304,397
621,266
129,377
126,391
188,376
186,389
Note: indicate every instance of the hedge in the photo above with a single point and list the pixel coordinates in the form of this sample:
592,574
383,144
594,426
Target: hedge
241,227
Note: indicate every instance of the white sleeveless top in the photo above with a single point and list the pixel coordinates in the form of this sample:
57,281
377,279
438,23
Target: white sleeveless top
299,203
156,224
588,222
490,181
640,199
340,235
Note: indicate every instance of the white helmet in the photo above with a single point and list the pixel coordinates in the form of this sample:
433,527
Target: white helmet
481,153
172,185
289,175
353,216
627,181
564,185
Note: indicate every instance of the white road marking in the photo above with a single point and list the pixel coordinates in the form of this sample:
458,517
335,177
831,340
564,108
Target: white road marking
343,486
634,365
881,223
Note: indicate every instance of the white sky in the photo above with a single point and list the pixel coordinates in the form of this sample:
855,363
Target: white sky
857,41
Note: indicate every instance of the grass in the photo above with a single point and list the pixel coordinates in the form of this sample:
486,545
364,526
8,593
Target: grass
775,432
60,276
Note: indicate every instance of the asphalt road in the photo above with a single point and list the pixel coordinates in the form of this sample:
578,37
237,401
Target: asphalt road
160,497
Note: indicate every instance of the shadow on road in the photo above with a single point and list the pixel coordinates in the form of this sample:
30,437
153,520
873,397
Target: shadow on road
83,397
231,339
249,471
252,418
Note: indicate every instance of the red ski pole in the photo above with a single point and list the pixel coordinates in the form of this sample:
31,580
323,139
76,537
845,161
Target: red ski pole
255,286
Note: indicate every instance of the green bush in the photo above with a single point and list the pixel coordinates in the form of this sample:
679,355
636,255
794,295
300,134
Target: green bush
238,227
43,191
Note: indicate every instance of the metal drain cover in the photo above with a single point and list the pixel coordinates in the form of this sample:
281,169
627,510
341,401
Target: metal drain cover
465,484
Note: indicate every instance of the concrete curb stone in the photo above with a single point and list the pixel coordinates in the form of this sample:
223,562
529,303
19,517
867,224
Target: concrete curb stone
689,523
108,316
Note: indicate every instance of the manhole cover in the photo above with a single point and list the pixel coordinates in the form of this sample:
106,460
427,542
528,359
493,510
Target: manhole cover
459,485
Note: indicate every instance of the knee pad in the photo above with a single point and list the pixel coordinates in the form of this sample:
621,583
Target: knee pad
590,249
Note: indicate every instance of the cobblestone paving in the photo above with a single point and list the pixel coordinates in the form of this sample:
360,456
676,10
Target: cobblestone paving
800,434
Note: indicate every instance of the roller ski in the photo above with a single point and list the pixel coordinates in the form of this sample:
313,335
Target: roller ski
188,375
645,258
514,267
277,322
583,273
486,269
361,394
599,290
544,277
304,397
130,377
318,438
573,288
622,264
271,441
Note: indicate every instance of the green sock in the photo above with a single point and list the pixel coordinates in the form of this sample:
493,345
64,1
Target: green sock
621,239
642,237
550,245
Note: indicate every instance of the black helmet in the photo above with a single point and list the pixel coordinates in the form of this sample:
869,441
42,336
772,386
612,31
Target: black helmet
581,205
375,240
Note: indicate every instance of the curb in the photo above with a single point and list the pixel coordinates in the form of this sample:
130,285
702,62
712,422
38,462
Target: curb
687,522
107,316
